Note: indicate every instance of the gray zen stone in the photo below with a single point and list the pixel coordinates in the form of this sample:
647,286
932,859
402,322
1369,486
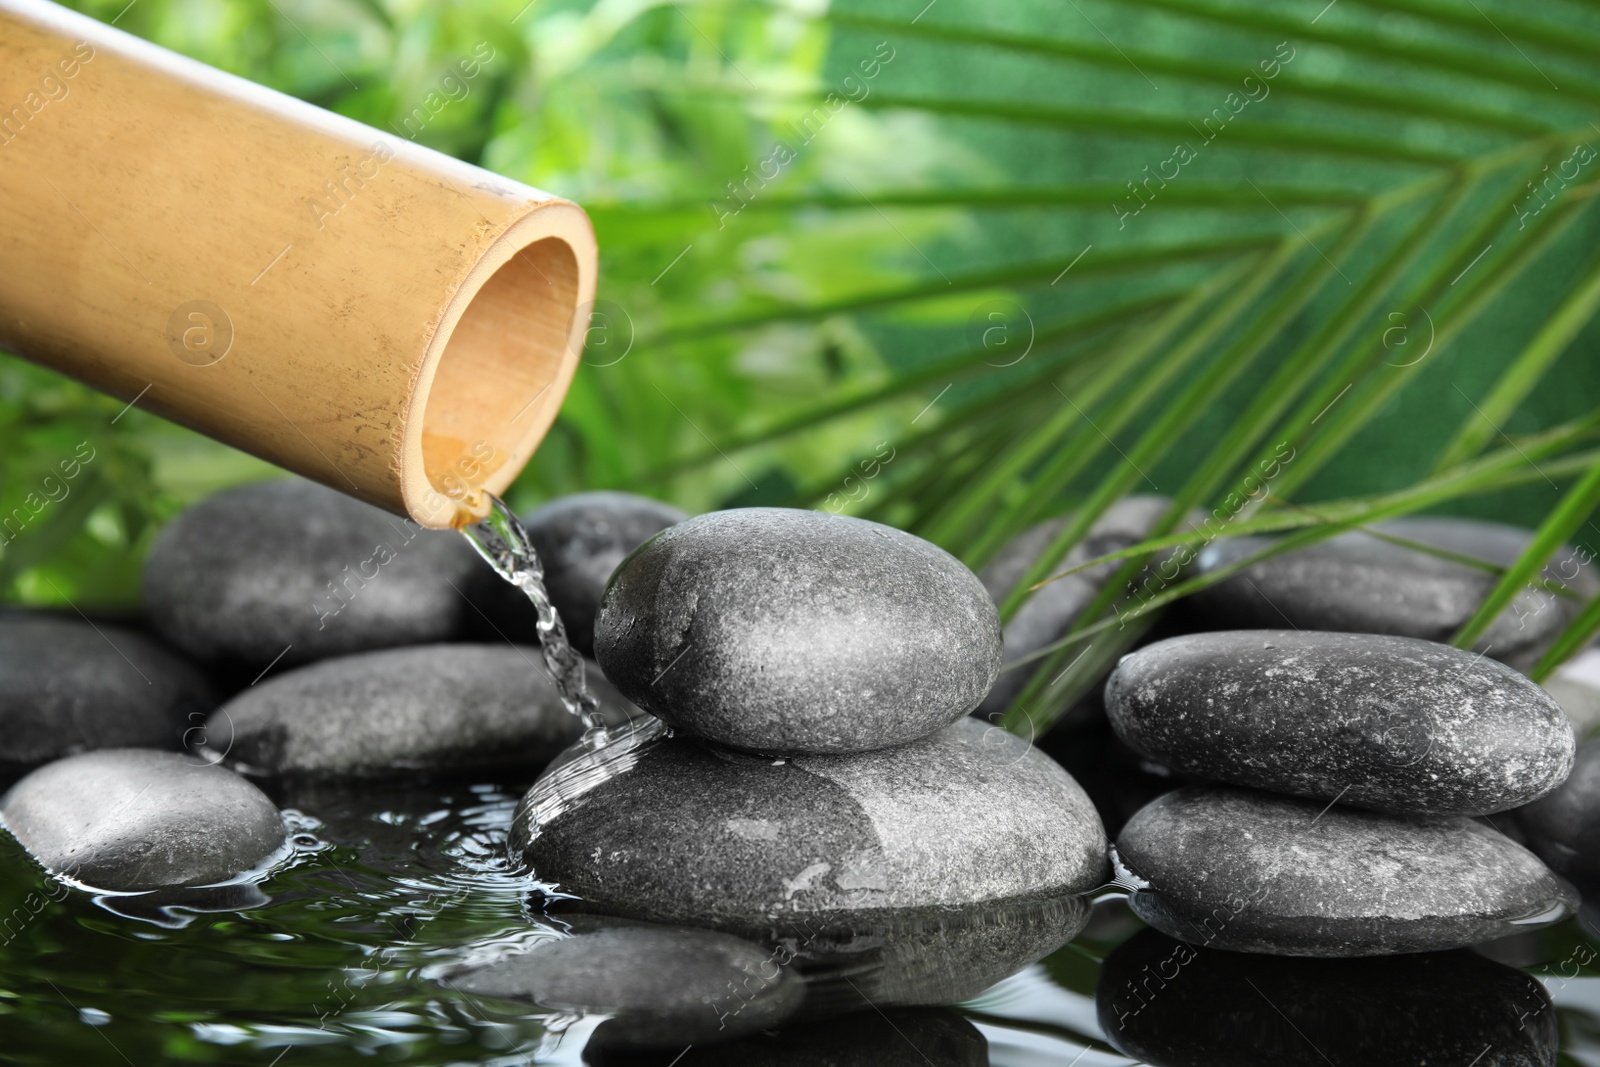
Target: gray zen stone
662,985
1171,1004
776,630
1358,583
250,572
1564,827
1575,685
430,708
1390,723
676,830
580,540
131,819
1052,610
1253,872
895,1037
68,686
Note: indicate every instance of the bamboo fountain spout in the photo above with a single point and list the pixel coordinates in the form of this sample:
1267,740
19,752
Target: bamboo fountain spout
394,323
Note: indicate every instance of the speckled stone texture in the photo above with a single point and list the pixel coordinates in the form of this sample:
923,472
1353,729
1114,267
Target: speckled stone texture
68,687
1235,869
1171,1004
1564,827
132,819
896,1037
1361,584
431,708
247,573
1053,609
580,540
681,831
1389,723
784,631
664,986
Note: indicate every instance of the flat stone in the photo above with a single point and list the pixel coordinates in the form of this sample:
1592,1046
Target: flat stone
1171,1004
429,708
1235,869
580,540
293,568
1575,685
1389,723
132,819
662,985
1358,583
892,1037
69,686
1048,614
777,630
675,830
1564,827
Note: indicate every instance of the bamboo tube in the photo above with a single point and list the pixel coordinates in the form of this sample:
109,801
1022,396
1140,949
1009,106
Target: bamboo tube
342,302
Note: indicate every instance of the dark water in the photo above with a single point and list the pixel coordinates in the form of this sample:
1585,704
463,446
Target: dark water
388,886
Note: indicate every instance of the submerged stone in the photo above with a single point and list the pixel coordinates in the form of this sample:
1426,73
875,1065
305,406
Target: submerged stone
1236,869
133,819
675,830
295,569
431,708
663,986
784,631
1389,723
1051,610
580,540
1359,583
69,686
1171,1004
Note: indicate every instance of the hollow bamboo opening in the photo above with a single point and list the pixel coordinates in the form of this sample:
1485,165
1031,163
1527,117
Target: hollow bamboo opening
505,353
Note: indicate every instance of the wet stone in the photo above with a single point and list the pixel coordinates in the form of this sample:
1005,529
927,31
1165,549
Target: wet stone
1564,827
1389,723
133,819
784,631
969,815
1236,869
1052,609
580,539
295,569
1359,583
437,709
67,686
664,986
1171,1004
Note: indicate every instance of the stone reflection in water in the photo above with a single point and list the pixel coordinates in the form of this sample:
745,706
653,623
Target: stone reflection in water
663,986
896,1037
1173,1004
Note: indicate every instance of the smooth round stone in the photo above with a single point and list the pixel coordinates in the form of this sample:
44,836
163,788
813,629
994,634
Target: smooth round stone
580,540
1051,610
1358,583
662,985
1575,685
1389,723
675,830
68,686
429,708
1171,1004
892,1037
776,630
1564,827
132,819
295,569
1253,872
